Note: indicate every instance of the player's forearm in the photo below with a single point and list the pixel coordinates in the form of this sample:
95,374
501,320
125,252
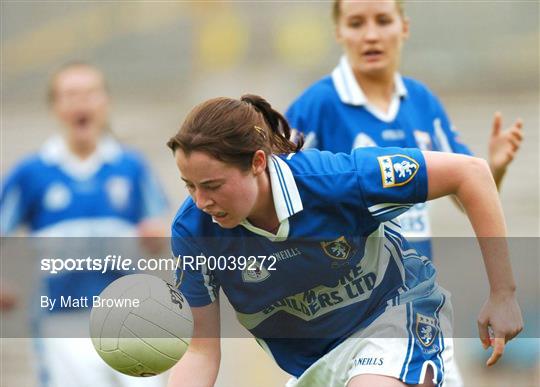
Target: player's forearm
498,175
479,197
196,369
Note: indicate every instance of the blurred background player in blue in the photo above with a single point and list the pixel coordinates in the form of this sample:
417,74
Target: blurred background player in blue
81,183
366,102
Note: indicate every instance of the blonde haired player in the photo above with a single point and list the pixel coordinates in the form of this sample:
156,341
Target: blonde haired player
366,102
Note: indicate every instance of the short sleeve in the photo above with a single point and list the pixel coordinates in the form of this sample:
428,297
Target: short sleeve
390,180
13,201
297,117
446,138
194,281
153,200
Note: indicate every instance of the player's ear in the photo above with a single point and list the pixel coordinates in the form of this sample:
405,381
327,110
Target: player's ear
405,28
337,33
258,162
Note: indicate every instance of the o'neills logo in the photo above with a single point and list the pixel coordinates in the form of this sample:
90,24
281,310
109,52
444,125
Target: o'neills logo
287,253
337,249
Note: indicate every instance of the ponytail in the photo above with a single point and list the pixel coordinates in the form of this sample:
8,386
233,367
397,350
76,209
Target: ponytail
232,130
280,131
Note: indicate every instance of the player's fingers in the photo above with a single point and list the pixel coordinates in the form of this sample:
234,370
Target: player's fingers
515,331
515,143
483,333
516,133
497,123
498,350
519,124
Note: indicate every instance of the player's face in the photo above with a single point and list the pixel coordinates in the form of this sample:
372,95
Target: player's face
225,192
372,35
81,104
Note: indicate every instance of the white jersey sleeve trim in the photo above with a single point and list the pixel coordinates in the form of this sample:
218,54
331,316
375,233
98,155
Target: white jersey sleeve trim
206,278
310,140
442,139
383,209
10,211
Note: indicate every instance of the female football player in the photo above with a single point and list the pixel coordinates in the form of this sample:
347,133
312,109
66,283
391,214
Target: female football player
366,102
332,292
82,183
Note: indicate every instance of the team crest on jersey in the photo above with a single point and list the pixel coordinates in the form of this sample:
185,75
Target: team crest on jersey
118,189
254,272
426,329
337,249
57,197
397,170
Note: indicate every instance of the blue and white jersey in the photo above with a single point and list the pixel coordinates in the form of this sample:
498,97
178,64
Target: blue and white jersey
55,194
340,258
334,115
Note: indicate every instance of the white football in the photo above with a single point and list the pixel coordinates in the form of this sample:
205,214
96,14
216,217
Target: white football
140,325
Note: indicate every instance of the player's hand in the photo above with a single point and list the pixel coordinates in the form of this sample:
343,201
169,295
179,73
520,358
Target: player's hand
8,298
503,145
499,321
152,233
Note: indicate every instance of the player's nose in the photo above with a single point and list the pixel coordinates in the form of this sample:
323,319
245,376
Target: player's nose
202,201
372,31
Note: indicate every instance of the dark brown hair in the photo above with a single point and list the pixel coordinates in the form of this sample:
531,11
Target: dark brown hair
51,89
232,130
336,9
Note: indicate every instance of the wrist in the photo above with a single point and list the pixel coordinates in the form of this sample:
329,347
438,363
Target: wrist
503,291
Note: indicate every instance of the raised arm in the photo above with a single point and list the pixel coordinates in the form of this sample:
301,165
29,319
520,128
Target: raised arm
200,364
471,181
503,146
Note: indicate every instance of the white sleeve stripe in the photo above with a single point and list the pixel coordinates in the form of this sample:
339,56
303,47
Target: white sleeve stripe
389,209
206,278
442,139
10,211
384,205
310,140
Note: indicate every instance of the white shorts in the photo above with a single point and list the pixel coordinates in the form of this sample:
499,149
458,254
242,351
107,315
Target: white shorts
401,343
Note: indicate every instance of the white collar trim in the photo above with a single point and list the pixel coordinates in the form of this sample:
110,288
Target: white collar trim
287,201
350,92
55,151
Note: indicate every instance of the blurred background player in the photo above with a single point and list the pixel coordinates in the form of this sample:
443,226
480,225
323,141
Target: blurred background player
366,102
82,183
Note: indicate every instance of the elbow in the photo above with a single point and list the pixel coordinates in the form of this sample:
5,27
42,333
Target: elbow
481,170
476,174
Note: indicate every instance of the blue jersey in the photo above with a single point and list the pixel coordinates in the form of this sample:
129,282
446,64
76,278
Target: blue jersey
335,115
56,194
340,258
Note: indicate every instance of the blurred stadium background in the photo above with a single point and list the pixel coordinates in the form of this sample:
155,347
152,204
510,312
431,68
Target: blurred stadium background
161,58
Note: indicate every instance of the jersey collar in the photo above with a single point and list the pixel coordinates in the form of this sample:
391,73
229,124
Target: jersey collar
350,92
287,201
56,152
